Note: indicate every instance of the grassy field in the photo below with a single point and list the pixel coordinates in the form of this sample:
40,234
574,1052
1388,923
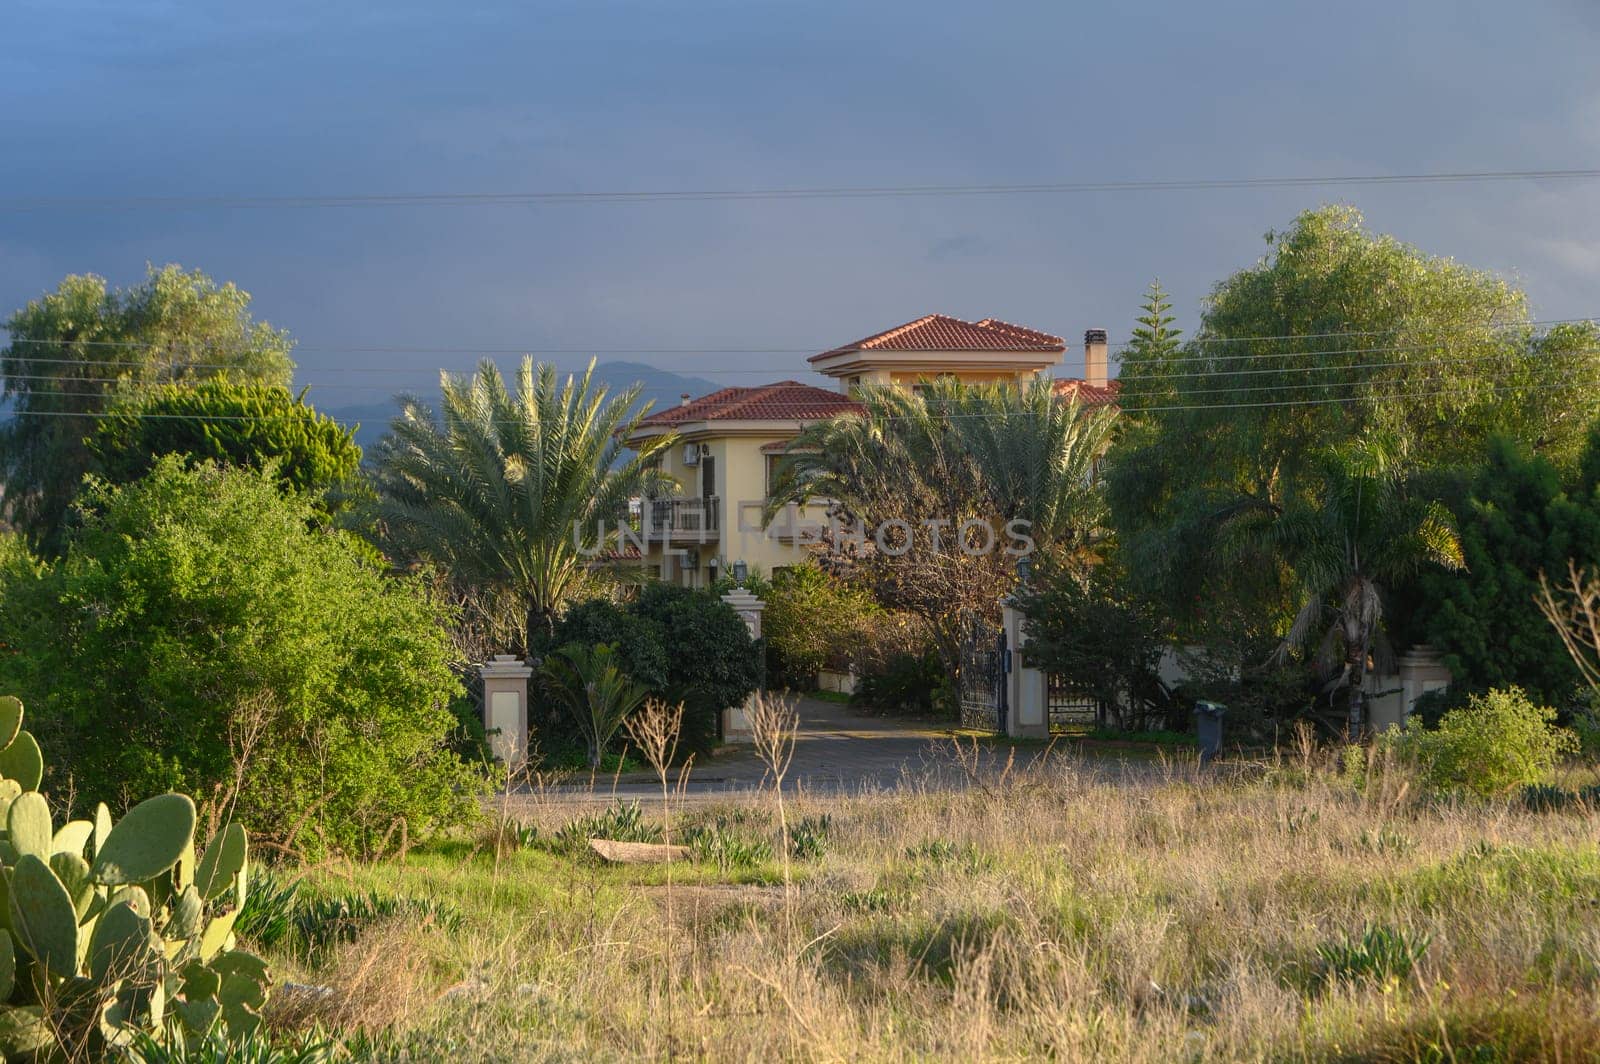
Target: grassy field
1269,911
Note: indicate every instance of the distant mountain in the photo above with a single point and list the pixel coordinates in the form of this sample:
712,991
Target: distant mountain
661,386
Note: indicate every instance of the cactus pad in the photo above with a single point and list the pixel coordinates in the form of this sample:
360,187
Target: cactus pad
147,842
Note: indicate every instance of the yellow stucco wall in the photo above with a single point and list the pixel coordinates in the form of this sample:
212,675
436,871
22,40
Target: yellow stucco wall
740,477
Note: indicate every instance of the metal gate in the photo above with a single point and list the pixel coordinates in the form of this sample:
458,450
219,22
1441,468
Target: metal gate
983,676
1070,709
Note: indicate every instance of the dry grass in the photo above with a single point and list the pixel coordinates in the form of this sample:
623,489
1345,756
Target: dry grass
1057,914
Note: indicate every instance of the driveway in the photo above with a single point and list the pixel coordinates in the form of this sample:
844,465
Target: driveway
837,751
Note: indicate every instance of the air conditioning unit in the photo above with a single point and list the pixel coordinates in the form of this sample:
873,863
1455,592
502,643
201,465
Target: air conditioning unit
691,454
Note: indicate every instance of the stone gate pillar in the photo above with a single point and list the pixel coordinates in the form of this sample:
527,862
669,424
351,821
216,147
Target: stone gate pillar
1025,685
1422,669
735,721
505,708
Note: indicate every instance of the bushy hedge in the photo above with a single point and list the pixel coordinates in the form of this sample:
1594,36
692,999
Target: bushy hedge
200,636
1498,742
813,622
684,644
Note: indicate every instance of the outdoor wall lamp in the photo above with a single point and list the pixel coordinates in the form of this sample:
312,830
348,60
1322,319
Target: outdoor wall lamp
740,571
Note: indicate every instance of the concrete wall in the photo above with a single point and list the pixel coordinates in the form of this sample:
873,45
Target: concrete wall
843,683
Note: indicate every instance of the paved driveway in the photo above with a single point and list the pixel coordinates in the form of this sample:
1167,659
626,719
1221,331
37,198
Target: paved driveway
836,751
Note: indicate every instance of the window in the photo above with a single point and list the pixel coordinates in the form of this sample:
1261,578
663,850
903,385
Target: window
773,461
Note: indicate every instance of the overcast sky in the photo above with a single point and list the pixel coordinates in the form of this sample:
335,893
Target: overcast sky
188,99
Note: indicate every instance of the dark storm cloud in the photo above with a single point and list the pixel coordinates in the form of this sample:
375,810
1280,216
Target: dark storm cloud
189,99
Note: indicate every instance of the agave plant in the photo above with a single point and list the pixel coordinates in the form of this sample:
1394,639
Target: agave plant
114,931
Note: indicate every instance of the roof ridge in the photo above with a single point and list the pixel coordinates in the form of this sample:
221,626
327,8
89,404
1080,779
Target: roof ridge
1003,326
898,330
752,393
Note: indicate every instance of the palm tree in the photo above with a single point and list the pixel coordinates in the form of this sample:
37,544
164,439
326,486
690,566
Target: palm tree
596,691
997,450
1036,456
936,457
1346,533
507,493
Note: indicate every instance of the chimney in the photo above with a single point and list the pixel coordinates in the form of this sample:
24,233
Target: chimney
683,398
1094,358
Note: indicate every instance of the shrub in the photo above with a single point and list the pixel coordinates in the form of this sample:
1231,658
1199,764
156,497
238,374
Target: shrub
813,621
904,682
1381,955
682,644
640,641
712,663
200,635
1499,741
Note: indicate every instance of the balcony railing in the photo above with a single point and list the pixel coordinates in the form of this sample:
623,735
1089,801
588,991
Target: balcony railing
691,519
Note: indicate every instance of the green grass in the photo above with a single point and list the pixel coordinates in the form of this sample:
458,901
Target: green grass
1059,915
1151,738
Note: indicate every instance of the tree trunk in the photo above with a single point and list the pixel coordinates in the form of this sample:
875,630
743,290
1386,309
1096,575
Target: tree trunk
538,627
1356,725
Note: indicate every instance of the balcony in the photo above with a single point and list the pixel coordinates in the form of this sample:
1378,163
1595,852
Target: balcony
689,520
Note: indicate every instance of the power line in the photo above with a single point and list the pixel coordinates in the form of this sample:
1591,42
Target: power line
403,350
1512,359
1363,396
552,197
1247,356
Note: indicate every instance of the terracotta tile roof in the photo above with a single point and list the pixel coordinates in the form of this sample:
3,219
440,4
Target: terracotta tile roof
1086,393
940,332
783,401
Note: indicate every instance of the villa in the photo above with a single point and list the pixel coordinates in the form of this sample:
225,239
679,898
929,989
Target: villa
730,442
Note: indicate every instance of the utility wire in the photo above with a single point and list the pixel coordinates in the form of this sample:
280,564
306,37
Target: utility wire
585,351
1219,365
502,199
1513,361
1362,396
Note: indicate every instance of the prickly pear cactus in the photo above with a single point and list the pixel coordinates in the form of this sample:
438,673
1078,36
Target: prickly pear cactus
112,929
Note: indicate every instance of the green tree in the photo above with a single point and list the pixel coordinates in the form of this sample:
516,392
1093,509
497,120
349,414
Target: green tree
199,635
508,493
252,425
813,618
1336,334
1516,521
1086,626
1346,530
77,352
1154,355
712,663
